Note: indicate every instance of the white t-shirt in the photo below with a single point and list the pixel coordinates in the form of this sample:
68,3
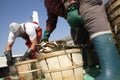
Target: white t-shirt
29,29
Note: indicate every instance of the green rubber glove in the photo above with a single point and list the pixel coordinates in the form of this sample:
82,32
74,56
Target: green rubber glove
73,17
27,55
46,36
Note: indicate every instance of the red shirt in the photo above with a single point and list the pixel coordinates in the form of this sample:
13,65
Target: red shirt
54,9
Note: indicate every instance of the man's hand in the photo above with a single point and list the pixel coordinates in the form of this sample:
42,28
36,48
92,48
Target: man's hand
46,36
8,55
27,55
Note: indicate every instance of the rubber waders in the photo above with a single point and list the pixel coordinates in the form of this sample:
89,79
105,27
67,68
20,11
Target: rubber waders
73,17
108,57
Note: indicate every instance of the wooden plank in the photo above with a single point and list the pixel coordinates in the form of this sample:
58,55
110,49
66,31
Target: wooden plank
68,51
109,2
44,66
78,72
66,61
113,6
53,63
24,68
39,72
115,14
28,70
116,22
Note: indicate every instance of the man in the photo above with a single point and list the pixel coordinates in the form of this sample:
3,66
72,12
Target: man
31,32
56,9
96,23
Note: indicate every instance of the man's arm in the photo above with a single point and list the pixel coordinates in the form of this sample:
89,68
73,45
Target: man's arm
51,21
50,25
34,42
8,50
28,53
31,32
8,46
11,39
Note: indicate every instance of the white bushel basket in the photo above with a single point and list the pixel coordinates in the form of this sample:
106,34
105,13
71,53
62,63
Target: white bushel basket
29,70
62,65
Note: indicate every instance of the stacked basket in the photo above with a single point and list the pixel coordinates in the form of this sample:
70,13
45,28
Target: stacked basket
113,12
55,61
